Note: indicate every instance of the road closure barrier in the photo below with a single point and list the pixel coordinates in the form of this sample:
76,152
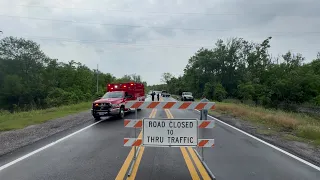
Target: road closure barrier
170,105
169,132
175,132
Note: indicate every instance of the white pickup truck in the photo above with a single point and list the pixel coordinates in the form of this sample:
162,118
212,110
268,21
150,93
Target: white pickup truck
165,94
187,96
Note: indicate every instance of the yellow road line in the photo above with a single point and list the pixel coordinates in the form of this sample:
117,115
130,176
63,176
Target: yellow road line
190,166
137,163
199,165
192,170
195,158
126,163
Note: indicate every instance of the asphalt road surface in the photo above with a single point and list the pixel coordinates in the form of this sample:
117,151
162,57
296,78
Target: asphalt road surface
98,153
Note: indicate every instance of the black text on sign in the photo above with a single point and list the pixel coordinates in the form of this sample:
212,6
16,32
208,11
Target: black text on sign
170,132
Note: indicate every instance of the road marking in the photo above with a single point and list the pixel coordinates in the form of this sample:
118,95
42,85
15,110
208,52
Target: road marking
195,158
127,162
192,170
125,165
199,165
268,144
136,165
45,147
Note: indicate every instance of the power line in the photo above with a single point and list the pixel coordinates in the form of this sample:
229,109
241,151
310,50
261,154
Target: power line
126,44
110,24
132,11
110,42
153,12
156,27
114,42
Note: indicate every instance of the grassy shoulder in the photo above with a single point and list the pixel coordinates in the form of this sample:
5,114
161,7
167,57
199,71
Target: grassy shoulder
23,119
293,126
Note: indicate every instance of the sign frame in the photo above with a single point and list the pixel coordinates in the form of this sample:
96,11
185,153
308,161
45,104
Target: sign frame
170,119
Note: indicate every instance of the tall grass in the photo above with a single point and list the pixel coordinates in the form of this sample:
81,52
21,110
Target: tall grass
301,125
20,120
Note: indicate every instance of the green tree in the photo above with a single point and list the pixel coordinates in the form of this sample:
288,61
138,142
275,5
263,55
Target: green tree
29,79
245,70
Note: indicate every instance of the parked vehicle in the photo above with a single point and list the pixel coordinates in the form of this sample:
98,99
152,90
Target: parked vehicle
113,102
165,93
187,96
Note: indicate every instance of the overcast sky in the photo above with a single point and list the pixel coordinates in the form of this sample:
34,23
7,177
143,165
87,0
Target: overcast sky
149,37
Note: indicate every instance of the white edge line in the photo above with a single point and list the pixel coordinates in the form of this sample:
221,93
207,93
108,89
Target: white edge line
268,144
45,147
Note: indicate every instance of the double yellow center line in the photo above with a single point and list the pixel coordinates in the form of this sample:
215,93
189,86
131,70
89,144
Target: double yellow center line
193,172
126,163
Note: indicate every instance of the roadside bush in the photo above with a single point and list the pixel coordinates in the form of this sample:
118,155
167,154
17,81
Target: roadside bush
57,97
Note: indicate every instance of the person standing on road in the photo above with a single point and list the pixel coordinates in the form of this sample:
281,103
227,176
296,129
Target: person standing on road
158,97
152,95
204,112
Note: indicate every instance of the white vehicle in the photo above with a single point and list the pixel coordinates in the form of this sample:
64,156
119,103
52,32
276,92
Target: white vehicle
165,93
187,96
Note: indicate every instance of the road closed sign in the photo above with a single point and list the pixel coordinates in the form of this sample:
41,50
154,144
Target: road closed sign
170,132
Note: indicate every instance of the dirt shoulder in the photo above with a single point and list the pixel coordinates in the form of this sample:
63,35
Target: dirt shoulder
14,139
273,135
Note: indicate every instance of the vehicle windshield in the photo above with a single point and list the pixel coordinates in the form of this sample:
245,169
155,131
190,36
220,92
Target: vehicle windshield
113,95
187,93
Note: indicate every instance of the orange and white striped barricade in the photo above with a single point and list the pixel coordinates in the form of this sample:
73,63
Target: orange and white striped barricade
137,123
174,132
166,133
170,105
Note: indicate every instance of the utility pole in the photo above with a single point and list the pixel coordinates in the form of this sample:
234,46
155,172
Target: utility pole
97,78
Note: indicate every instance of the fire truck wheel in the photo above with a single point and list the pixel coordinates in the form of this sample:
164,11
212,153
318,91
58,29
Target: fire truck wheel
121,113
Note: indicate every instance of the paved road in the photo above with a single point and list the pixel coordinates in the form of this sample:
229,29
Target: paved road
238,156
98,153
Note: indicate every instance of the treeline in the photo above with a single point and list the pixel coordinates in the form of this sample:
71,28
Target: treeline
246,71
30,79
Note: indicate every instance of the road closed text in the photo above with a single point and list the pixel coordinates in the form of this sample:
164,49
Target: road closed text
172,124
170,132
177,140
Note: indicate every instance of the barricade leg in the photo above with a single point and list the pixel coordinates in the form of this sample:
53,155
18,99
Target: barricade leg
205,166
204,113
133,161
202,156
135,134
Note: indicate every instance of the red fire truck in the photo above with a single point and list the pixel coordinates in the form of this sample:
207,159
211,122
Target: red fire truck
113,102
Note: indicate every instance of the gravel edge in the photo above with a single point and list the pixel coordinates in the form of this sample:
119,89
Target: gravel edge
303,150
15,139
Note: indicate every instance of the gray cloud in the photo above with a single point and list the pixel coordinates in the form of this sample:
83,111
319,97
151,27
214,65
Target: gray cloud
128,37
